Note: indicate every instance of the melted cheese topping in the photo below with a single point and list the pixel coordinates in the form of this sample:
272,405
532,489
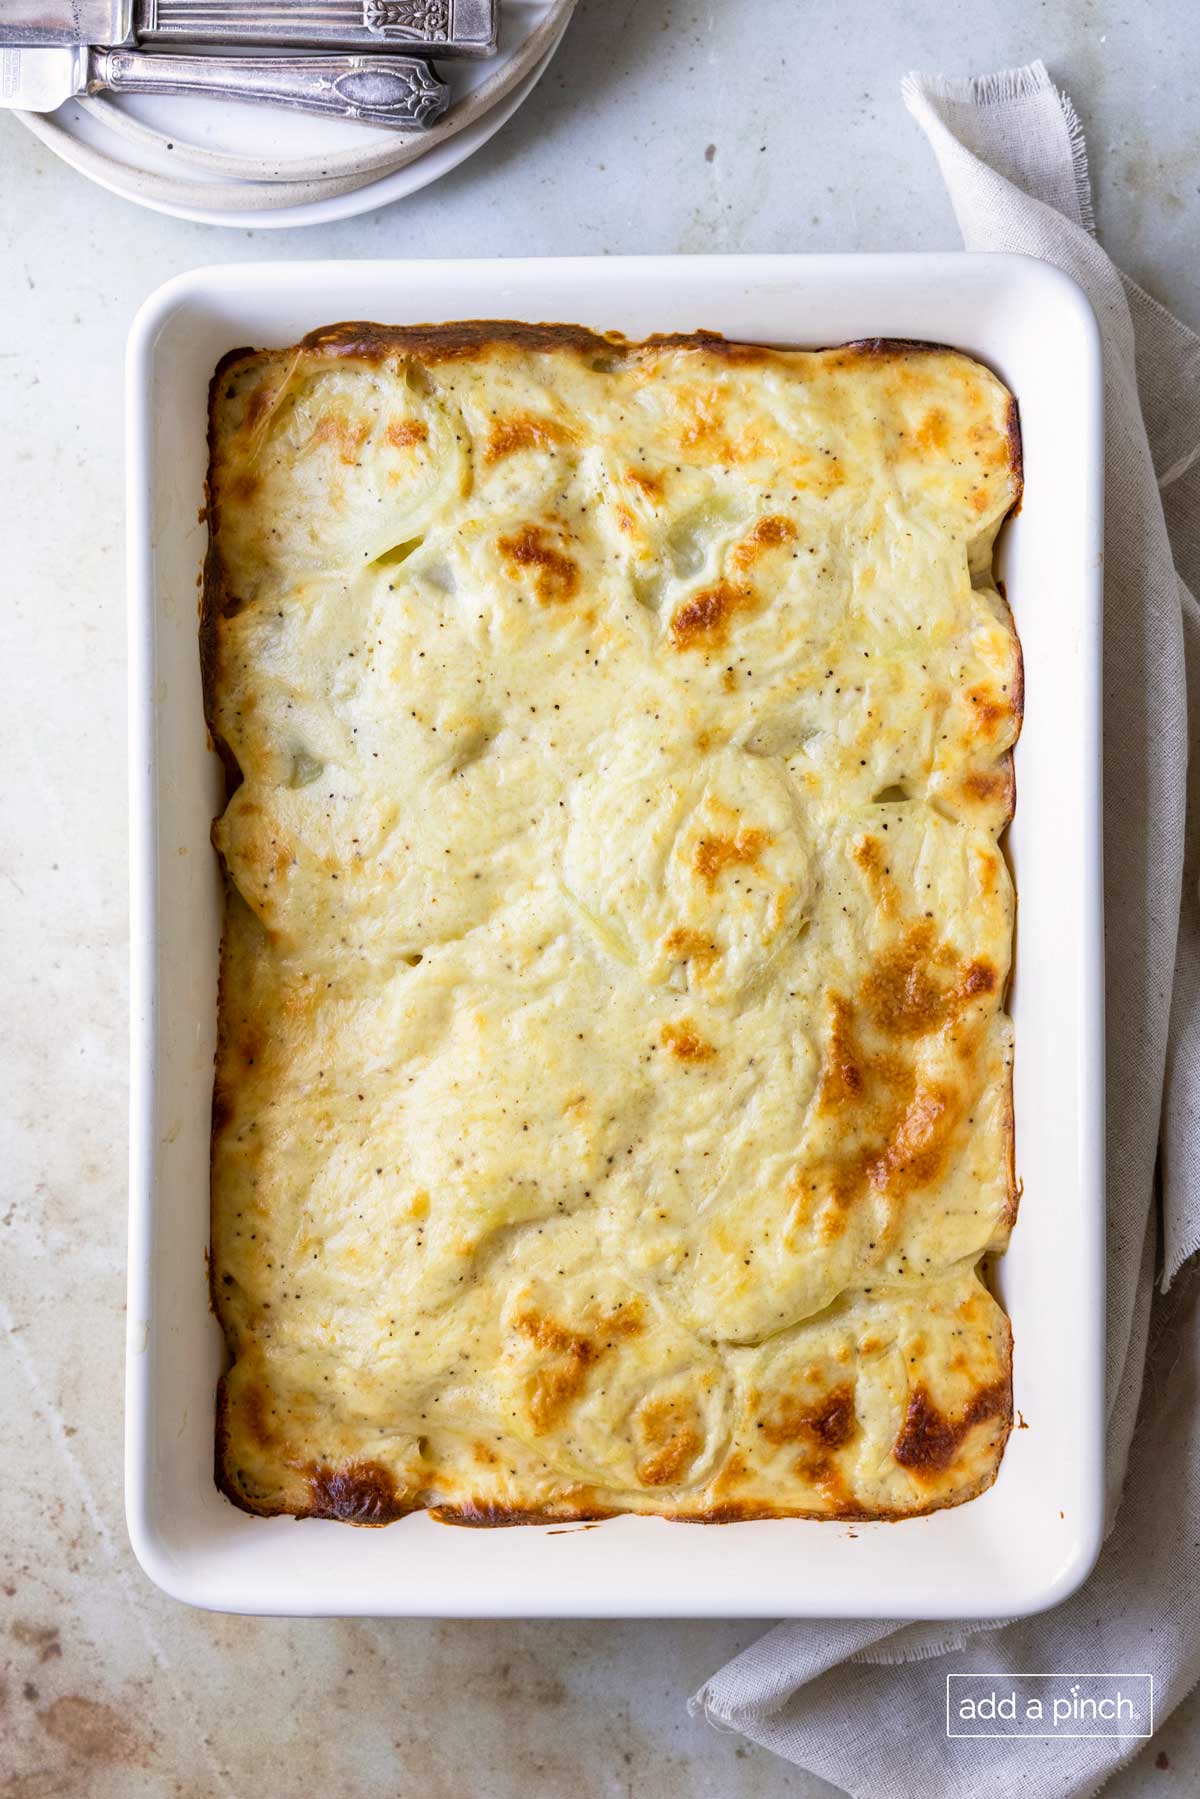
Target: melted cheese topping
613,1093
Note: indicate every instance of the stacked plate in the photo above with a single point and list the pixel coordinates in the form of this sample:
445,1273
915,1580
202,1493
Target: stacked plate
221,163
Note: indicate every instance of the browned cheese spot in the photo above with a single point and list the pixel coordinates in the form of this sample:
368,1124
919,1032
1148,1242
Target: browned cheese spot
732,1474
715,854
844,1075
359,1493
768,533
986,784
702,623
823,1473
684,1042
929,1441
243,486
989,711
523,431
669,1429
335,429
403,433
706,423
555,576
571,1354
691,946
906,991
870,856
900,1123
828,1421
987,865
933,431
711,435
915,1153
992,449
650,485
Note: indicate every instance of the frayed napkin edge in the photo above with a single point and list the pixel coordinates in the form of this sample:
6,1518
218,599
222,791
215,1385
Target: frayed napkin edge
1001,89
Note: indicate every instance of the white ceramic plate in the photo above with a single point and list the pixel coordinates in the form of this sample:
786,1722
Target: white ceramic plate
84,138
1029,1541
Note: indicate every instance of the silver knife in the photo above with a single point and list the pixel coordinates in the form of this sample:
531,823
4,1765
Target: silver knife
376,90
426,27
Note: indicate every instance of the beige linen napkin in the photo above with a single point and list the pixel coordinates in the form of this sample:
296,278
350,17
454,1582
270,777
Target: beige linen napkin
863,1704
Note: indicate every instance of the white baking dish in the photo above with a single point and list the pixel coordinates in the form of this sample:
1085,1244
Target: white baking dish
1029,1541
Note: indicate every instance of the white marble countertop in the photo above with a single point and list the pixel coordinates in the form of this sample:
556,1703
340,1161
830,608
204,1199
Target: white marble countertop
110,1690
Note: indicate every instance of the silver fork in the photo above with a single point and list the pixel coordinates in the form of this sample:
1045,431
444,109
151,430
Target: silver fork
378,90
397,91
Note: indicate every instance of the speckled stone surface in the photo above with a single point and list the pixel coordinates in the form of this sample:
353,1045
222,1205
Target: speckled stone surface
111,1691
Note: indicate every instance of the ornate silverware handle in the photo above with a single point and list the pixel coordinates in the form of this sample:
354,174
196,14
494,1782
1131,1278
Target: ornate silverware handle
378,90
426,27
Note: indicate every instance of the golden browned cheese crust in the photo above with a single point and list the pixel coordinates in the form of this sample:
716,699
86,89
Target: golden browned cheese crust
613,1098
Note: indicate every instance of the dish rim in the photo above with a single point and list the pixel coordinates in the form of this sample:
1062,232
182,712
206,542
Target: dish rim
267,281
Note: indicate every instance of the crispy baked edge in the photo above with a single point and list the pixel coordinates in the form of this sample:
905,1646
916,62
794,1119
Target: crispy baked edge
365,1495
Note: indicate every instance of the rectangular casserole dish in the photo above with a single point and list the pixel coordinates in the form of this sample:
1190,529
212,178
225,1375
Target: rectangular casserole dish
1028,1541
